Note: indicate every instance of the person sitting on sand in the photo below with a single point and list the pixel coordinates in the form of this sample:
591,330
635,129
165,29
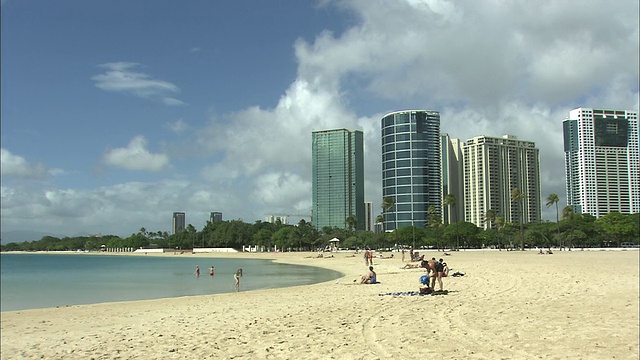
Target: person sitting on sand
370,278
445,268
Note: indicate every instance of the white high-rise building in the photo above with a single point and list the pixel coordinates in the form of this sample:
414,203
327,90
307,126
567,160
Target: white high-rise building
452,177
602,161
493,167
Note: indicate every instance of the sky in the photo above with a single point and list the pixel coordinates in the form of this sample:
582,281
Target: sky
115,114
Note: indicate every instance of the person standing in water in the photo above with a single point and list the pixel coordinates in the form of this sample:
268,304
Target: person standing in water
211,270
237,277
197,271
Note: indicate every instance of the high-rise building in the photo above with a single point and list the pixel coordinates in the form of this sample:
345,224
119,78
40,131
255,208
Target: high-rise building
452,178
275,219
411,168
179,222
215,216
369,217
602,161
493,167
338,178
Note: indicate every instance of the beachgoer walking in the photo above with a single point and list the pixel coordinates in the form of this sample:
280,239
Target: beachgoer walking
371,257
237,277
197,271
366,257
411,254
402,254
211,270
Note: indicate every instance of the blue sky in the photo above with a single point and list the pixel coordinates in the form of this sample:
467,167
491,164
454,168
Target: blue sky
115,114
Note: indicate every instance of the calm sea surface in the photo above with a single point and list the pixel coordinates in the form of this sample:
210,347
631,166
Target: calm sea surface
30,281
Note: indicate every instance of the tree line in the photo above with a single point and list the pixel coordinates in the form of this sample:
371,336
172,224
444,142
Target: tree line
570,231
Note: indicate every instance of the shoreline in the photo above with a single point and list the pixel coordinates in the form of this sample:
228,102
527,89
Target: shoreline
508,305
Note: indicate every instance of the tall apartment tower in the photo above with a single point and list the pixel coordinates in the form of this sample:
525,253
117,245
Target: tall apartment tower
493,167
369,216
602,161
338,178
215,216
179,222
452,178
411,168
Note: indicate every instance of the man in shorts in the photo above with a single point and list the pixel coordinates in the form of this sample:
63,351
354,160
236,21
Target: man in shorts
436,269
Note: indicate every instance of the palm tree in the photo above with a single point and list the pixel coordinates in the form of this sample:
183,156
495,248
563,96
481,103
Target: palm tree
387,205
518,197
435,222
567,213
501,224
490,217
450,200
380,220
351,222
553,199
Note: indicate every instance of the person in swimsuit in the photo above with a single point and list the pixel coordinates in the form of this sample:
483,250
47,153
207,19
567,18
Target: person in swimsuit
445,268
437,270
197,271
237,277
211,270
370,278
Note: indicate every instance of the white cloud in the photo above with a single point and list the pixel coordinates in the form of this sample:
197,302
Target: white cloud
119,209
136,157
14,165
489,68
121,77
177,126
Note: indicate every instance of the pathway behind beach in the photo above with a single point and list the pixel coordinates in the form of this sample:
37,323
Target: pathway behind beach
509,305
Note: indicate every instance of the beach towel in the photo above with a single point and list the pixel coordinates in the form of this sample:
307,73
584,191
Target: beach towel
414,293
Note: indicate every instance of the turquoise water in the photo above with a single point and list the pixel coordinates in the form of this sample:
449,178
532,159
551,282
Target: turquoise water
30,281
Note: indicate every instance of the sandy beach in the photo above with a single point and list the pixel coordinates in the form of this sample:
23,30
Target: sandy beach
509,305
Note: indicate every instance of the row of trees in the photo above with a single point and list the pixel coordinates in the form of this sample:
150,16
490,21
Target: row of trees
573,230
613,228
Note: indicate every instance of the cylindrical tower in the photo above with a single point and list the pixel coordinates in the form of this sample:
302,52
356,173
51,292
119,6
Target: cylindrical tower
411,169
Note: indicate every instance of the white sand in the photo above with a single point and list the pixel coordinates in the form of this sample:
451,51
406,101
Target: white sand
510,305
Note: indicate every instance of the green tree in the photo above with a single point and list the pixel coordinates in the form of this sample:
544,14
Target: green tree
490,219
500,224
553,199
450,200
387,205
434,221
380,220
518,197
351,221
567,213
618,227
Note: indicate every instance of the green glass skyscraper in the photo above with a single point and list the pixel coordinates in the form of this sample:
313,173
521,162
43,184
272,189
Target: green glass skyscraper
338,178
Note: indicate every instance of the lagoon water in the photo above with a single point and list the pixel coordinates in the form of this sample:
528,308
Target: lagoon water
30,281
